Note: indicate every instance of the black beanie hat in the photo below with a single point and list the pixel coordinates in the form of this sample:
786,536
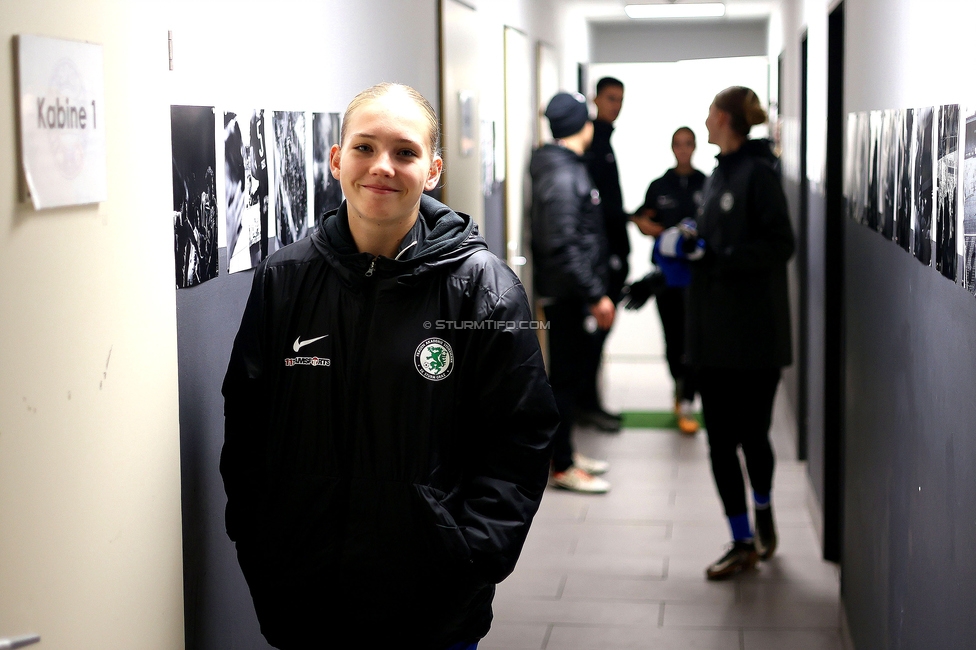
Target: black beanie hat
567,114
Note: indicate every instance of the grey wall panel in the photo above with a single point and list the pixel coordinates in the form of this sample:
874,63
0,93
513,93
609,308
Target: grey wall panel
909,562
791,374
218,610
646,42
815,343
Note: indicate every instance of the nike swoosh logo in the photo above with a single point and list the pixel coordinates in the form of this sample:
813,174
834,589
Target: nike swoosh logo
299,343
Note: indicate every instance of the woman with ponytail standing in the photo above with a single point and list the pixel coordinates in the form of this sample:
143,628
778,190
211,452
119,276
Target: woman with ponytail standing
738,318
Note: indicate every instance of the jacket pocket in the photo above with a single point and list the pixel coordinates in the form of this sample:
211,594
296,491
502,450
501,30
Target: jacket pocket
448,536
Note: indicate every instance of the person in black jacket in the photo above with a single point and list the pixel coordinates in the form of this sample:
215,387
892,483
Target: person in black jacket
388,418
670,200
602,165
569,251
738,318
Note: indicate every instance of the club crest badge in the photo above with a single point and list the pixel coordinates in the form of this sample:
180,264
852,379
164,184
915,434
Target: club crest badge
726,202
434,359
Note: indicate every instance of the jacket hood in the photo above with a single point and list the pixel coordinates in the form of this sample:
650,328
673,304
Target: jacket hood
442,237
550,155
761,148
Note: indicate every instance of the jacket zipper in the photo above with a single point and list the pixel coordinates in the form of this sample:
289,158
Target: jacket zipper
366,318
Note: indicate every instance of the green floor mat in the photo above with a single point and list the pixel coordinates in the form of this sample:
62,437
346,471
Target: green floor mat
652,420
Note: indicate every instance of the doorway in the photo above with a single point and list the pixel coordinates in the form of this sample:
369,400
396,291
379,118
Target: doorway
834,370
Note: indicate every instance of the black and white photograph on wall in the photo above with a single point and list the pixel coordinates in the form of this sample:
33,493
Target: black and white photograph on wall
872,205
946,191
923,186
850,183
860,142
863,165
903,207
969,200
888,177
290,179
245,189
194,193
327,193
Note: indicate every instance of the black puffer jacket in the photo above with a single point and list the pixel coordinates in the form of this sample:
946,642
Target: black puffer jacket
382,464
738,307
569,245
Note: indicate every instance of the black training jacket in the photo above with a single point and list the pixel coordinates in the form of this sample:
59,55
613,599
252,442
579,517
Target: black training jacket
382,463
602,164
738,307
569,245
674,197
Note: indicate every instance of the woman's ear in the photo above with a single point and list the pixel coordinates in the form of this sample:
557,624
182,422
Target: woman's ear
334,156
434,175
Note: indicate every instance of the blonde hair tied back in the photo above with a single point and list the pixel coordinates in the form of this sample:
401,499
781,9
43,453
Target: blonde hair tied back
742,105
385,88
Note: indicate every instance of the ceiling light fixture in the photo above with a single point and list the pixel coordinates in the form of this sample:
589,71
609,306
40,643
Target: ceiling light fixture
683,10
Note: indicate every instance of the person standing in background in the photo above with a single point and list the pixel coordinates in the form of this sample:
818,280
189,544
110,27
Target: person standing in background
569,251
670,200
602,165
739,318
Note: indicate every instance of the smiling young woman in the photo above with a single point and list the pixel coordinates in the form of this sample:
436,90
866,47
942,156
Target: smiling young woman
382,479
385,161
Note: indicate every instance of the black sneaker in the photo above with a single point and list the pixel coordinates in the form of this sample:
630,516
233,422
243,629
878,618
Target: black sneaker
765,532
599,419
740,557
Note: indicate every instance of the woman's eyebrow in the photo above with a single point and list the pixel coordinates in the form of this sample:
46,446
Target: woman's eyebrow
370,136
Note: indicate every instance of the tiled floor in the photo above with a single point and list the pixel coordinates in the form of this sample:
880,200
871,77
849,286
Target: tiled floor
626,569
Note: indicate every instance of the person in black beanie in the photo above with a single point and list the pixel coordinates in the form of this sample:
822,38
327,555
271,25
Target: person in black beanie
569,250
602,165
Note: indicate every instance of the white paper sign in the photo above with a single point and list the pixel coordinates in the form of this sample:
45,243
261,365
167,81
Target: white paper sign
62,122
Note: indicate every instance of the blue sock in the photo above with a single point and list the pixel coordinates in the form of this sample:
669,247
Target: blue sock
761,500
740,527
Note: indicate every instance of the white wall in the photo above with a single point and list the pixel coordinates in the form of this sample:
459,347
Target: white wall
908,53
90,531
90,547
527,16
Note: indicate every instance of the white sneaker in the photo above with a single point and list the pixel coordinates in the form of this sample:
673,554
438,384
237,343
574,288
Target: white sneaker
577,480
591,466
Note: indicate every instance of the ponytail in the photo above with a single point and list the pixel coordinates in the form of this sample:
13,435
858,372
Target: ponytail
743,107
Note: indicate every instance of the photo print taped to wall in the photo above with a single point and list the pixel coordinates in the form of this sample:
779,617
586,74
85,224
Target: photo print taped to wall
859,173
327,193
863,163
245,189
872,208
850,184
903,207
924,187
969,200
887,182
290,177
946,191
194,193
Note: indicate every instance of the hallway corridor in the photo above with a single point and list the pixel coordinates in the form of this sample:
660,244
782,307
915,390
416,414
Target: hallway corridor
626,570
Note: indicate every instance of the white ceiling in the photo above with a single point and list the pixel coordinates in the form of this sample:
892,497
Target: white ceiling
613,10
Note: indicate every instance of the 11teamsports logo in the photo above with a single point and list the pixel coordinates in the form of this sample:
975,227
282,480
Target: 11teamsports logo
291,362
434,359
